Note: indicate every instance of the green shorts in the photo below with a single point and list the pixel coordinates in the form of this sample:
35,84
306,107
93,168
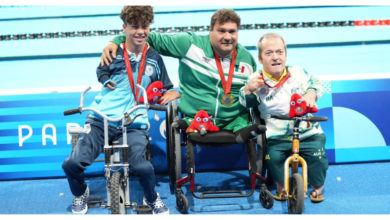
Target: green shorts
312,149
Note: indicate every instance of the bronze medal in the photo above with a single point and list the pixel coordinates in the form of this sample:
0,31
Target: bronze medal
227,100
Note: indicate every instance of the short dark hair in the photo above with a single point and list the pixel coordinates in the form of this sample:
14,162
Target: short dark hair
225,15
137,14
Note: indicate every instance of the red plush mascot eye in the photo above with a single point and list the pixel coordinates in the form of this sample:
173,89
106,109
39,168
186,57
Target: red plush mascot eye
299,101
292,103
155,89
198,119
205,120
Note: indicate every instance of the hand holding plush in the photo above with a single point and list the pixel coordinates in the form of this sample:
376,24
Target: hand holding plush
154,92
298,106
202,123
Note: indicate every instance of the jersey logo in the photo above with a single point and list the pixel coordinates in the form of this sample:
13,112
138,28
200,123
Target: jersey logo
148,70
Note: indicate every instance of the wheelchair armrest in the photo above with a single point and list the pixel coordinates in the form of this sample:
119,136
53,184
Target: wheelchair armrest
257,127
173,118
175,124
180,124
170,114
243,135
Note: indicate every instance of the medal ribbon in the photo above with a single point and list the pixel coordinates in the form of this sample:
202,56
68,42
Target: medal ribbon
130,71
281,82
226,87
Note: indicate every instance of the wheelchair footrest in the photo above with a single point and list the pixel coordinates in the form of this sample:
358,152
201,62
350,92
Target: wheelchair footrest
222,194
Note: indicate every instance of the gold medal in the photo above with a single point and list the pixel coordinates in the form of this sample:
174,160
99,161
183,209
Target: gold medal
227,100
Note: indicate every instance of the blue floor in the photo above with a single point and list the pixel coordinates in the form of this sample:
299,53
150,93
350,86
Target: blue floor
349,189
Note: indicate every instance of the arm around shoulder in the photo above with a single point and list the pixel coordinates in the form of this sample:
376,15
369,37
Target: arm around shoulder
119,39
175,45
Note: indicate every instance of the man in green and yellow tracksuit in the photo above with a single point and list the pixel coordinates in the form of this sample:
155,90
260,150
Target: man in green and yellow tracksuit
282,82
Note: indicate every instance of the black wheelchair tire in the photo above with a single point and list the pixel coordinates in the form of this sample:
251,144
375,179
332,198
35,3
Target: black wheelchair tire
266,199
174,151
182,203
177,161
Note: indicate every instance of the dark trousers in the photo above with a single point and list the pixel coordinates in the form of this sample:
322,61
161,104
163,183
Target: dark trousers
311,149
90,145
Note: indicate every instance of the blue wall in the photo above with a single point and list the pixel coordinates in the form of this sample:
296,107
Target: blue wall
43,77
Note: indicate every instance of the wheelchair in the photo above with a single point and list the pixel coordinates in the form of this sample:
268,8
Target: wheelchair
177,138
115,158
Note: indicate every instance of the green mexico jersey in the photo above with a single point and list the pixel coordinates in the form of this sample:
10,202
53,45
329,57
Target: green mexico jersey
200,83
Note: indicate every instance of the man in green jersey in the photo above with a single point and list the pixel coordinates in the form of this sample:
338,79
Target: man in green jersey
212,69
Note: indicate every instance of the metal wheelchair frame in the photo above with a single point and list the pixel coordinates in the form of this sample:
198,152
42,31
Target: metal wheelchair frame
255,158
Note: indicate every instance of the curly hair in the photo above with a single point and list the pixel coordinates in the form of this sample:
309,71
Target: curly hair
137,14
225,15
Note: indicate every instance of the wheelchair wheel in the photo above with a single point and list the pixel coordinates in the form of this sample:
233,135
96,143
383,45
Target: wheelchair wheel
296,195
266,199
174,152
117,194
182,203
170,143
177,160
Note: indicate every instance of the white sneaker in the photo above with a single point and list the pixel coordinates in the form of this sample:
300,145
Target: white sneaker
80,203
158,207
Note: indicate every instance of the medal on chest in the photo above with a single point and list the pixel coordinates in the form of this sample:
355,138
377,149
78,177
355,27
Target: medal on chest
264,89
130,71
227,99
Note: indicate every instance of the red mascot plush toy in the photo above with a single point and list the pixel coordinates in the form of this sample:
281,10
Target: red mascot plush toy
154,91
298,106
202,123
